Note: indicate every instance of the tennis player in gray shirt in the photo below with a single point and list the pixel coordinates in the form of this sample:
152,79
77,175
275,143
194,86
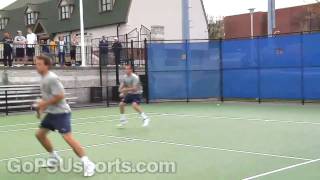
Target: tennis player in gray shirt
58,116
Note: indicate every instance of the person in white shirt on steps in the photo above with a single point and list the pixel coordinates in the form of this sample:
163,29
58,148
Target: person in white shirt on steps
32,41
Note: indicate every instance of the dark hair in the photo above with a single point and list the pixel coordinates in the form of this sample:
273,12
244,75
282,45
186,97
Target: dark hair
46,59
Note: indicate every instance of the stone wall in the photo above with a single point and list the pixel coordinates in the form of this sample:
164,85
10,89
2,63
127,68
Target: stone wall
77,80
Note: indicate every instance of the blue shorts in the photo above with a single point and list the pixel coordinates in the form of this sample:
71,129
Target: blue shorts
59,122
132,98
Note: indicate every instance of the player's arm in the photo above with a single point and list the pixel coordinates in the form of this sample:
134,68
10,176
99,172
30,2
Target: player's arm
58,95
134,86
55,100
122,88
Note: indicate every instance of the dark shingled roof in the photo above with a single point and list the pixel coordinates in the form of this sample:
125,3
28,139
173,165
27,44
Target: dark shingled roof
49,15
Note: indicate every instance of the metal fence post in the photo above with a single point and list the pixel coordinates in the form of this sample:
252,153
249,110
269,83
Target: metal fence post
6,99
107,98
132,56
302,69
146,66
187,68
259,71
221,70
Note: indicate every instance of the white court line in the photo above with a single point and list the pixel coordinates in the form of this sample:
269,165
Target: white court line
73,124
282,169
64,150
90,117
241,118
194,146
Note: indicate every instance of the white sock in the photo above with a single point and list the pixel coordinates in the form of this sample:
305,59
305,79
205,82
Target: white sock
144,116
123,117
85,159
54,154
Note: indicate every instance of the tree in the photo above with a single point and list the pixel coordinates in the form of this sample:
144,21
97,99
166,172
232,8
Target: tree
215,27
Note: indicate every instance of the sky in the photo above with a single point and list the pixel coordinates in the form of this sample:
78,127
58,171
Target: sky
4,3
229,7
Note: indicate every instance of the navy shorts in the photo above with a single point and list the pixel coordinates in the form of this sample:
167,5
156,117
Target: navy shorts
132,98
59,122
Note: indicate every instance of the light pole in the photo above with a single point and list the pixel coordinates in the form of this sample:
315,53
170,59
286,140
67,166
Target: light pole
251,16
83,52
271,16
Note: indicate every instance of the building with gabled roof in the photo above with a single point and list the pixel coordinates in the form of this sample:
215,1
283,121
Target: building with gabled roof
53,18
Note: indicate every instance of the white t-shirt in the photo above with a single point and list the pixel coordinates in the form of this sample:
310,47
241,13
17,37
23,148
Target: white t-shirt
19,41
31,40
61,46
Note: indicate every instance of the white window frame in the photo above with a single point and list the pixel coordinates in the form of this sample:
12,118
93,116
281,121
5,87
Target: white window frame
3,23
65,12
106,5
31,18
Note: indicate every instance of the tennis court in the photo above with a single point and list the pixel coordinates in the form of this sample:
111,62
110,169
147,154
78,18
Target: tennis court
206,141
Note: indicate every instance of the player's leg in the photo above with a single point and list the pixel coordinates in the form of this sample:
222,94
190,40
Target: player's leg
136,99
42,136
74,144
63,125
123,118
89,166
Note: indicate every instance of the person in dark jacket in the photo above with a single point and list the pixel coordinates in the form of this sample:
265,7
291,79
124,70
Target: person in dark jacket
117,47
7,49
103,49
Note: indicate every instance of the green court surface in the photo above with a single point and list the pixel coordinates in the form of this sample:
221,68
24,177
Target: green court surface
204,141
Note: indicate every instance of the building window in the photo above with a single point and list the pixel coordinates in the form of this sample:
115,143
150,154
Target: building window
3,23
31,18
106,5
65,12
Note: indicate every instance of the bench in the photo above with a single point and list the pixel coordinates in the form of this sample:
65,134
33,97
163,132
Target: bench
19,98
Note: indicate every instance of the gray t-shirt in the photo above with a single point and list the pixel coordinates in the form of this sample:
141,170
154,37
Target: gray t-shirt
133,80
51,86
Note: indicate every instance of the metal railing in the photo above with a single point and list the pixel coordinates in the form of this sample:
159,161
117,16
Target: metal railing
69,55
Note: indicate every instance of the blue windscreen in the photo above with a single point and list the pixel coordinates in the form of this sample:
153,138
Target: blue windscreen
311,52
280,51
311,83
280,83
167,57
240,83
240,54
278,67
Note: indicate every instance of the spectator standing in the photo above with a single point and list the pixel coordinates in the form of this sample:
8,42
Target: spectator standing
117,47
7,49
104,51
32,41
53,46
61,50
44,47
19,42
73,50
